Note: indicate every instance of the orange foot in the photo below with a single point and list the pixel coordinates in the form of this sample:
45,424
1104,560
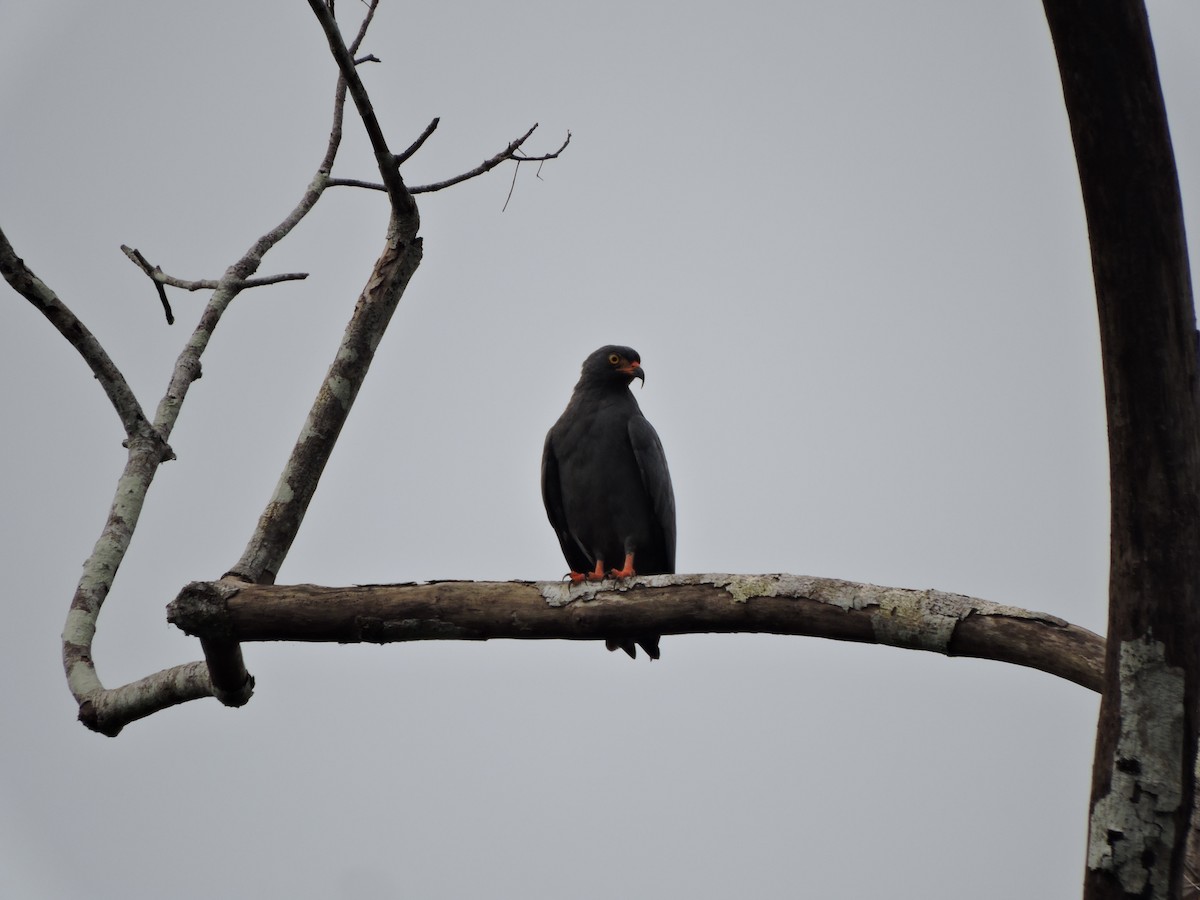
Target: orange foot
627,571
596,574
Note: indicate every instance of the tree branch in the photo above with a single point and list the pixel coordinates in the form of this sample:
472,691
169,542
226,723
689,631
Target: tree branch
160,278
486,166
403,205
668,604
107,710
401,158
509,152
142,263
28,285
280,521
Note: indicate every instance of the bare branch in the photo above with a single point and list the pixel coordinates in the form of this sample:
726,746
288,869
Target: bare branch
486,166
555,155
107,710
668,604
223,673
144,265
509,152
368,17
112,710
280,521
209,284
33,289
402,158
235,279
159,277
403,205
465,610
356,182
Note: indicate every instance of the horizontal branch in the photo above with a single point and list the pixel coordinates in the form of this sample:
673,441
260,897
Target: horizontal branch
667,604
158,276
108,711
509,152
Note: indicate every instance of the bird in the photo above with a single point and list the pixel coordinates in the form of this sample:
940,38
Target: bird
605,482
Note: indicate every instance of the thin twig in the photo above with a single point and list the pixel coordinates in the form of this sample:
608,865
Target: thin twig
511,187
159,277
144,265
205,284
368,17
403,205
356,182
509,152
545,156
401,158
486,166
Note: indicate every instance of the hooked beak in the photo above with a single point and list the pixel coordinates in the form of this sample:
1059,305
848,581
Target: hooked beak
634,370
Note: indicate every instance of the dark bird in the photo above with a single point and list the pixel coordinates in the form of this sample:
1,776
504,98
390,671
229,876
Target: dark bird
605,482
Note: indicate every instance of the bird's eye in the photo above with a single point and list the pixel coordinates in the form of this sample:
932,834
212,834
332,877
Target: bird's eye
613,359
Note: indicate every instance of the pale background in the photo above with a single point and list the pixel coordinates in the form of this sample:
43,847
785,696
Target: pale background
846,239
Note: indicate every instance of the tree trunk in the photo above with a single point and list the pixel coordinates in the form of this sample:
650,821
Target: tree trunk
1143,777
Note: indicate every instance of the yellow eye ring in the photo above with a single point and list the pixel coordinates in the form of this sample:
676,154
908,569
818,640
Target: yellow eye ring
613,359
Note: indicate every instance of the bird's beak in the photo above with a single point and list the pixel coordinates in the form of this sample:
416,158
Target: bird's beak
633,370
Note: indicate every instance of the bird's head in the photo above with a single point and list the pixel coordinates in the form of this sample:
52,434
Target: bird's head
614,365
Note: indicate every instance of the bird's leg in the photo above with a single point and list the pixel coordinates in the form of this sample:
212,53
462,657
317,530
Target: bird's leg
596,574
627,571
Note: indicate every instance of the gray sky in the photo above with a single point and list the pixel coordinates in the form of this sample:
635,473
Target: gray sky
846,239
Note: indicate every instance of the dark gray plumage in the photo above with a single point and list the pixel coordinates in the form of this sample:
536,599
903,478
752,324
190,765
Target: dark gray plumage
606,485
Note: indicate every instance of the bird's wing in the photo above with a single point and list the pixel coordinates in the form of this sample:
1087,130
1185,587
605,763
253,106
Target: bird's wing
552,498
652,462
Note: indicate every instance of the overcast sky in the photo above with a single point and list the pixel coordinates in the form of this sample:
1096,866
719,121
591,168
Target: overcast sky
846,239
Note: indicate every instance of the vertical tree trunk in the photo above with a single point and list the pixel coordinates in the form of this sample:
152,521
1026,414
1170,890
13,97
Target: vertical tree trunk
1143,778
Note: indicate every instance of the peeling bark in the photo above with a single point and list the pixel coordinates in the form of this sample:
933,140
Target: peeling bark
667,604
1133,826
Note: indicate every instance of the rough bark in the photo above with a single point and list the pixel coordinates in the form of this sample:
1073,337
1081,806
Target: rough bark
280,521
666,604
1143,777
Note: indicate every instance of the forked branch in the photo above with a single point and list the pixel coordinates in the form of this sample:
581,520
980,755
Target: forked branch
510,152
161,278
